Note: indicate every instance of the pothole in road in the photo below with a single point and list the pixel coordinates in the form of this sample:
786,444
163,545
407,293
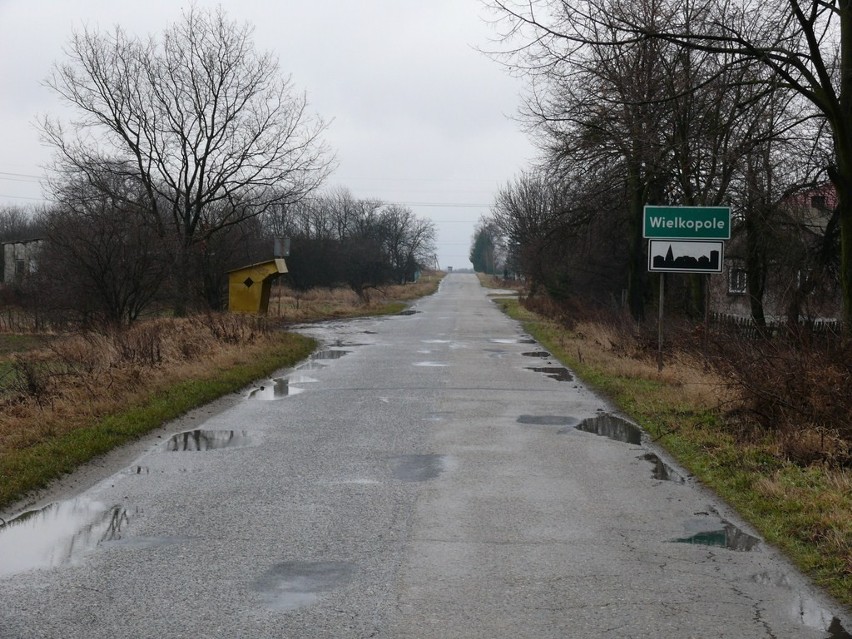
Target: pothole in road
662,470
541,354
613,427
559,373
311,365
720,534
57,534
296,584
417,468
204,440
547,420
137,470
329,354
276,389
408,312
806,609
344,344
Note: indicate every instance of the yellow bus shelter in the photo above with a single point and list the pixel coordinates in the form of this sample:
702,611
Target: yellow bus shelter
249,287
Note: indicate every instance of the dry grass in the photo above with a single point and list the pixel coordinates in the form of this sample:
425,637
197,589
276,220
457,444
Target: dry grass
293,306
80,378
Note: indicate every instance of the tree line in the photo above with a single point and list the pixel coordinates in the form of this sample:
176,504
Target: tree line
188,153
681,102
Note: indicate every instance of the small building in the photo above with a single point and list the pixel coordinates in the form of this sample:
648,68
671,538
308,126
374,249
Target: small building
792,287
18,260
249,287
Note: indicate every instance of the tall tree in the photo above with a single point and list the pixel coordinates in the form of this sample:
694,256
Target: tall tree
805,45
202,120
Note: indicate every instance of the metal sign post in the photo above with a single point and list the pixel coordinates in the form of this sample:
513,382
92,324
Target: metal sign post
660,325
684,239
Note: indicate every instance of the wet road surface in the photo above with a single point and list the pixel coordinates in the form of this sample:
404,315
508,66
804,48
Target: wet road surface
435,474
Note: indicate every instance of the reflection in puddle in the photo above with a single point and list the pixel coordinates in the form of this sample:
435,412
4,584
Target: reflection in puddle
805,609
311,365
559,373
301,379
329,354
536,354
513,340
137,470
431,364
296,584
202,440
435,341
662,470
613,427
416,468
720,534
276,389
57,534
547,420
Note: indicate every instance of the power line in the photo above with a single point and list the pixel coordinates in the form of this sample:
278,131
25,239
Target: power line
24,197
20,175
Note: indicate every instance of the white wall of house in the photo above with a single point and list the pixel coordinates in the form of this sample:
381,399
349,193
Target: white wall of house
19,260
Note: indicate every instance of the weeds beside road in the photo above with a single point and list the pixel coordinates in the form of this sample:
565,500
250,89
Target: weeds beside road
65,399
798,495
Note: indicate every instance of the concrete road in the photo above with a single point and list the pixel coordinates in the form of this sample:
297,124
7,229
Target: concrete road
429,475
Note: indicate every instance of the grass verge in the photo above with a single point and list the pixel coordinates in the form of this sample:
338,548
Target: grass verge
806,511
24,469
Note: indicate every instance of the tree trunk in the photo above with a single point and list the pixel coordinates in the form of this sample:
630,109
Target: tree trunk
636,267
842,177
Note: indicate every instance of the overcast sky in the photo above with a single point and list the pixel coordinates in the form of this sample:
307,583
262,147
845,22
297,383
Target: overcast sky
418,116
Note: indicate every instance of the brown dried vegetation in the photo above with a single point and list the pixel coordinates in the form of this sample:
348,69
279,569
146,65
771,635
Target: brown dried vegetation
78,378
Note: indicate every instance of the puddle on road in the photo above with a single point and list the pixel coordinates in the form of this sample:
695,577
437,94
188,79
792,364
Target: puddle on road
613,427
276,389
137,470
719,534
408,312
417,468
547,420
57,534
559,373
541,354
431,364
836,630
340,343
329,354
311,365
296,584
204,440
662,470
804,608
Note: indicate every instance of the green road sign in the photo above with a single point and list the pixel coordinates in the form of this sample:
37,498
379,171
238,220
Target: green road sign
687,222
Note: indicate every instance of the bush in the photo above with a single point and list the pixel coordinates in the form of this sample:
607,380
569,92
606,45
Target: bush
795,389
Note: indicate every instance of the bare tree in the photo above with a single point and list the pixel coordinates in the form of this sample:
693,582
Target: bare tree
102,260
805,46
208,126
20,223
